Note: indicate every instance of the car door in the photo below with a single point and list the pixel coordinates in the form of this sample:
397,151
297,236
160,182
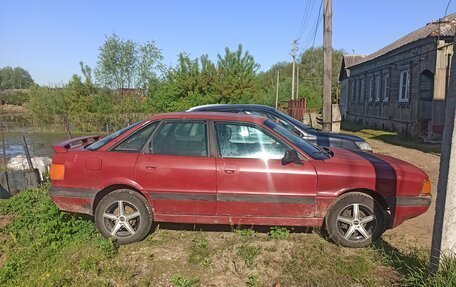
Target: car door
176,171
251,180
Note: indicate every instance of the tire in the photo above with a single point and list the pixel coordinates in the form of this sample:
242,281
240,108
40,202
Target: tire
346,228
136,221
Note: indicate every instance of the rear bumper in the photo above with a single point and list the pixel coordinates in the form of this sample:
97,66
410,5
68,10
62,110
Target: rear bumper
407,207
78,200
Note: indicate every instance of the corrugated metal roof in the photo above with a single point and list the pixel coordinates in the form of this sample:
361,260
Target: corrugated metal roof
446,27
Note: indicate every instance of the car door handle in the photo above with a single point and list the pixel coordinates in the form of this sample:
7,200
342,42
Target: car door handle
230,170
151,167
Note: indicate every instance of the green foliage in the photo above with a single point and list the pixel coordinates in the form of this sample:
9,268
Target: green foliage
253,281
248,254
17,78
178,281
127,64
131,84
245,232
199,252
14,97
278,232
39,229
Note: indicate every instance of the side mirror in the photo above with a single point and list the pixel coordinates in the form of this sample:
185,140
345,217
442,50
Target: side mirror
291,156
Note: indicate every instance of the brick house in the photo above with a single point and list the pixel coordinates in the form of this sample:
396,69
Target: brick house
402,86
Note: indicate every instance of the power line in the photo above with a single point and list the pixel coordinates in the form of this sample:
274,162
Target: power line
318,24
305,18
448,5
313,33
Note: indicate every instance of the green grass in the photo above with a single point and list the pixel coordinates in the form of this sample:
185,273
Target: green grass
278,232
245,232
390,137
248,254
41,246
178,281
199,252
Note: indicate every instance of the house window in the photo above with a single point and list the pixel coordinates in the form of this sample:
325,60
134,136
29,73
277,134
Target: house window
362,90
357,91
377,88
386,87
371,89
404,86
352,90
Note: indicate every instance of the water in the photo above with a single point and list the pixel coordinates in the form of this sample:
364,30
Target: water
39,143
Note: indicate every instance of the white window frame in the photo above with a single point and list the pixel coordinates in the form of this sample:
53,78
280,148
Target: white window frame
378,81
386,87
404,96
371,88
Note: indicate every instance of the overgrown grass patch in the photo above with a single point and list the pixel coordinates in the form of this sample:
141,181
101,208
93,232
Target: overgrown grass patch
41,246
43,243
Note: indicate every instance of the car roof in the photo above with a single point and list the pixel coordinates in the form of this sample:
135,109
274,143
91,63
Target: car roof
215,106
211,116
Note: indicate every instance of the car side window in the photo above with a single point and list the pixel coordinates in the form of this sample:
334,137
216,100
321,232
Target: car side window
181,139
246,141
136,141
279,121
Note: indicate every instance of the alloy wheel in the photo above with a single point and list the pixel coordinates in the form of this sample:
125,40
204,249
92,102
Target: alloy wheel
356,222
121,218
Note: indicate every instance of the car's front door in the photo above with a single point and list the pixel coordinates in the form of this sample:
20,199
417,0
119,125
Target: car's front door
176,170
251,180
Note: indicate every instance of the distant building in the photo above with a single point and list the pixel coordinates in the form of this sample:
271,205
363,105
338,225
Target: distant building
402,86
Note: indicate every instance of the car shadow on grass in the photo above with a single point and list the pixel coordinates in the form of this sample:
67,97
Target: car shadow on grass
407,263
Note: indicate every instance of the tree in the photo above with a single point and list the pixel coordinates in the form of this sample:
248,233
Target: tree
236,76
17,78
127,64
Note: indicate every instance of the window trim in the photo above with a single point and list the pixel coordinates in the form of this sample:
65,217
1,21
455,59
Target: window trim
404,98
386,86
371,88
166,121
113,148
378,87
250,124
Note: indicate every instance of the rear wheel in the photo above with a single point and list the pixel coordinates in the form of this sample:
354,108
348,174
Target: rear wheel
355,220
124,215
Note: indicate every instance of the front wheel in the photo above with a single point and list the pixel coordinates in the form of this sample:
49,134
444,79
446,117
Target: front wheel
355,220
124,215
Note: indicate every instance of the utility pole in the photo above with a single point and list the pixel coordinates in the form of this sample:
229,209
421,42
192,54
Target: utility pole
277,91
297,81
444,233
293,54
327,63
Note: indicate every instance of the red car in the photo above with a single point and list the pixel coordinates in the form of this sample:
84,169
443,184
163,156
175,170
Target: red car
222,168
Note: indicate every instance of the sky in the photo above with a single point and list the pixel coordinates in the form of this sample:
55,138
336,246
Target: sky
50,38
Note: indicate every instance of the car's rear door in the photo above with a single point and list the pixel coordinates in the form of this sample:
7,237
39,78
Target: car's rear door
176,169
251,180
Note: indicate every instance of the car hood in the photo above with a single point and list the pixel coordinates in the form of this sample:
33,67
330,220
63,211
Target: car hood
341,136
359,169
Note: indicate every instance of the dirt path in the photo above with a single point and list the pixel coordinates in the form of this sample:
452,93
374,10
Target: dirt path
417,231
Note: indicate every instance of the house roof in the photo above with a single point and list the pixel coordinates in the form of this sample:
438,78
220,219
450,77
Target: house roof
349,60
445,27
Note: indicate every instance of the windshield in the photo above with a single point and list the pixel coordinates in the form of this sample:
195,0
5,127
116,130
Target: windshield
98,144
298,141
294,121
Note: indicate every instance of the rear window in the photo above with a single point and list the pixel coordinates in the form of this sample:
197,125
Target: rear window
105,140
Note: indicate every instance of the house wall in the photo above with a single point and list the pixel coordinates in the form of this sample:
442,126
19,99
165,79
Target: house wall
386,111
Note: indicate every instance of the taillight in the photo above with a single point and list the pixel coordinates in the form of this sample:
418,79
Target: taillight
57,171
426,190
